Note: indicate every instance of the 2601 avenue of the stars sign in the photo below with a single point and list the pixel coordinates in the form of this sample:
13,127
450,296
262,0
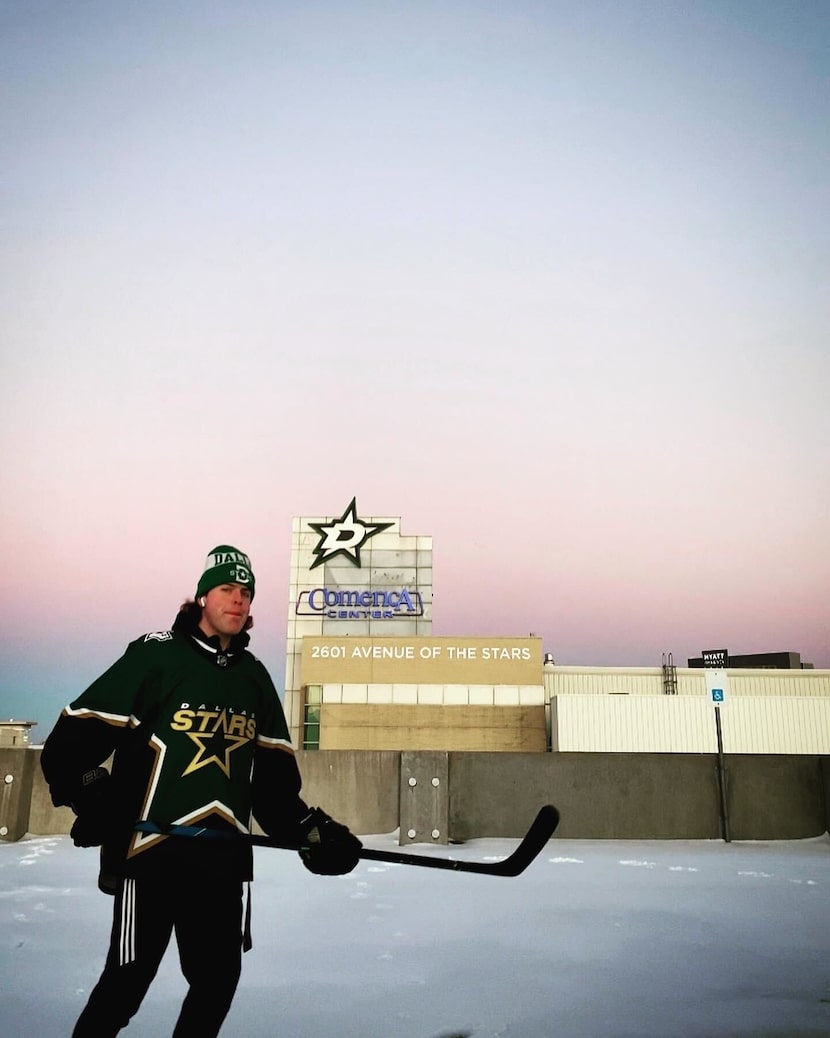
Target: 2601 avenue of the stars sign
427,660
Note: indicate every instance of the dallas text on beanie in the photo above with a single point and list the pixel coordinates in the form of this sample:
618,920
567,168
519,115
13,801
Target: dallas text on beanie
226,565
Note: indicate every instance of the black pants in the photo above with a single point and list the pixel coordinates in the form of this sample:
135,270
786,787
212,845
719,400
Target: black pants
206,915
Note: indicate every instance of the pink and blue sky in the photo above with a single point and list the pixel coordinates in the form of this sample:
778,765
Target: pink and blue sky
547,280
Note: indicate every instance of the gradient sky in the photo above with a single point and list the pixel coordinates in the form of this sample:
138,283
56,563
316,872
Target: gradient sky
547,280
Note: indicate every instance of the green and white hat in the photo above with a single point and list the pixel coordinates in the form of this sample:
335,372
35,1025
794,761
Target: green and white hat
226,565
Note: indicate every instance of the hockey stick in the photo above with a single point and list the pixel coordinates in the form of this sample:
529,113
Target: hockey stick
543,827
540,831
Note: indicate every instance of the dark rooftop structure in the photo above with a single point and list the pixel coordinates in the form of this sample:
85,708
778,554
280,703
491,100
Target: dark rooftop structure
760,661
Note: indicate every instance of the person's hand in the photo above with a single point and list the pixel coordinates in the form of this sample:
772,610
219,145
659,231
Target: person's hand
94,808
327,847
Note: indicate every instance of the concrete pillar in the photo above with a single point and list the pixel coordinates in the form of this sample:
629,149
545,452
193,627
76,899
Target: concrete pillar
16,771
425,797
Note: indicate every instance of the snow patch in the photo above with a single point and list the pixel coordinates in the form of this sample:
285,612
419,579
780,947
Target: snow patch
426,946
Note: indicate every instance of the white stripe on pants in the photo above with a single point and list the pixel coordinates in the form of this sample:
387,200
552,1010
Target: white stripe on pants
126,939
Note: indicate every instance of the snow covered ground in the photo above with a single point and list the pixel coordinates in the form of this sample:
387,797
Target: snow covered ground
600,939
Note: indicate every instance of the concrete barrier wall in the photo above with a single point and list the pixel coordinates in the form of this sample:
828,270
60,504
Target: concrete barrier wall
775,797
358,788
16,773
600,795
824,769
639,796
44,819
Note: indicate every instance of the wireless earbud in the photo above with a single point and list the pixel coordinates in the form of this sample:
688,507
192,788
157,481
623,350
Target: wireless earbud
202,602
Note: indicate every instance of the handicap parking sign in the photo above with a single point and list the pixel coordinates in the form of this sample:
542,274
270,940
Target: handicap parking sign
717,686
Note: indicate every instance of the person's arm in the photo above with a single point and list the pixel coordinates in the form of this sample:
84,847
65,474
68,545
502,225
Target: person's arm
326,847
87,732
275,790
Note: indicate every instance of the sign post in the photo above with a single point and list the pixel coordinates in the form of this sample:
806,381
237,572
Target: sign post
717,689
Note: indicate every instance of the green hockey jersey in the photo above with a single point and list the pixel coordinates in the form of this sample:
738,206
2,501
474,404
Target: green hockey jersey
197,736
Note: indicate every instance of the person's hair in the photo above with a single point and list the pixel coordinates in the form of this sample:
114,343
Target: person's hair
191,610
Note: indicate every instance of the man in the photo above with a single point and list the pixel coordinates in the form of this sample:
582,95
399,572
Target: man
197,737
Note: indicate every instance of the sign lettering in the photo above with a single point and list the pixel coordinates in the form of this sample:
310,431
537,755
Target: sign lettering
360,604
717,658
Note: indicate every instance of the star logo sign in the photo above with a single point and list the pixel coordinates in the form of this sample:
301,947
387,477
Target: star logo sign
344,536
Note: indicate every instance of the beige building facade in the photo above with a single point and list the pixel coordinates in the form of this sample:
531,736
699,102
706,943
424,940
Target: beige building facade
425,693
16,733
365,672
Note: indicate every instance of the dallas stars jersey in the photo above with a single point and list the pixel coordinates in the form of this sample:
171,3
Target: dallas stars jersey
199,738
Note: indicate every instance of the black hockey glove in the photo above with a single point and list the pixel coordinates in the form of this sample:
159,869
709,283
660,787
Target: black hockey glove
93,806
327,847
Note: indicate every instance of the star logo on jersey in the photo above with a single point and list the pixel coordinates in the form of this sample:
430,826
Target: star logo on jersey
215,747
344,536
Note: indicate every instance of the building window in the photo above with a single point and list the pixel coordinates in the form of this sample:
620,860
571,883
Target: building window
311,717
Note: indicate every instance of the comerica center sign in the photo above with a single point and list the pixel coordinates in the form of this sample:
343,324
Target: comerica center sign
360,581
360,604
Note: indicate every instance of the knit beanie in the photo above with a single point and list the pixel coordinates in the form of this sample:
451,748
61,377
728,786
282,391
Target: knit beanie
226,565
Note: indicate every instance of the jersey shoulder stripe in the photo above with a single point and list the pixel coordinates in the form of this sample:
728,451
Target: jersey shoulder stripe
269,743
119,720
